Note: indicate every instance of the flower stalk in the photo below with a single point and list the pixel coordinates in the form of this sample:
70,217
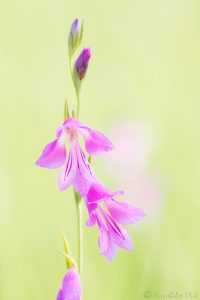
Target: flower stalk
74,42
103,210
78,201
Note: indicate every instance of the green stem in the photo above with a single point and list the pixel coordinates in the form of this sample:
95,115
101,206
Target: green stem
70,67
77,92
78,103
79,231
77,197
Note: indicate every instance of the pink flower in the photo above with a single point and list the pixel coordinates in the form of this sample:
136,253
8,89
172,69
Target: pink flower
76,171
71,286
111,236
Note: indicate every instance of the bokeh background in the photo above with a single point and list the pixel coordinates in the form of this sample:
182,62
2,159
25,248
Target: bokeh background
143,83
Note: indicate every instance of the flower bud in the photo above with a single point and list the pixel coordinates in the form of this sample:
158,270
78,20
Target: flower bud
80,68
71,286
82,62
75,36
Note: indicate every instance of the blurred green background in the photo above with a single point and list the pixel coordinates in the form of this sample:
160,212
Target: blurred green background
145,67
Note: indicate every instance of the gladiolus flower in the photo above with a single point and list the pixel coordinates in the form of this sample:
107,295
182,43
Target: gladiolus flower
71,286
77,171
111,236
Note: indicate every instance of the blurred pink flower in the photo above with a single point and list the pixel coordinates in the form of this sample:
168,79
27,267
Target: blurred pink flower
134,148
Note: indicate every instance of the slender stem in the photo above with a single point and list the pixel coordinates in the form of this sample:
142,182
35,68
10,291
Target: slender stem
77,197
70,67
80,231
78,102
80,237
77,92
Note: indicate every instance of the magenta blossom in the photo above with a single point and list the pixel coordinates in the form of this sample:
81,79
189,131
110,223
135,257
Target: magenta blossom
71,286
111,236
76,171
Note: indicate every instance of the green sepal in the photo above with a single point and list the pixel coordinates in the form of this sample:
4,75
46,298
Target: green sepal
66,110
76,80
70,262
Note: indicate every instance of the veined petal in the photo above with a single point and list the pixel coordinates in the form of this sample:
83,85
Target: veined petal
66,175
53,155
96,143
106,245
112,224
84,176
118,236
77,171
125,243
71,286
92,214
98,192
124,213
103,240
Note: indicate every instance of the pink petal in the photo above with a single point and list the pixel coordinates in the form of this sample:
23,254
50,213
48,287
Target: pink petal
124,213
107,247
103,240
125,243
111,223
85,176
96,143
73,123
91,221
118,236
99,192
53,155
66,175
70,123
60,295
111,251
71,287
92,214
77,171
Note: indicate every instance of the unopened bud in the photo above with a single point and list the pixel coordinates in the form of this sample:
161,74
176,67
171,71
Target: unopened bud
82,63
80,67
75,36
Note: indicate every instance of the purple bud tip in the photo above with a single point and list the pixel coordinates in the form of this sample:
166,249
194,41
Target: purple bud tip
75,27
82,62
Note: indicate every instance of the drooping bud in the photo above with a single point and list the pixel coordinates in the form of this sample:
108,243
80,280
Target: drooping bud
71,286
75,36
